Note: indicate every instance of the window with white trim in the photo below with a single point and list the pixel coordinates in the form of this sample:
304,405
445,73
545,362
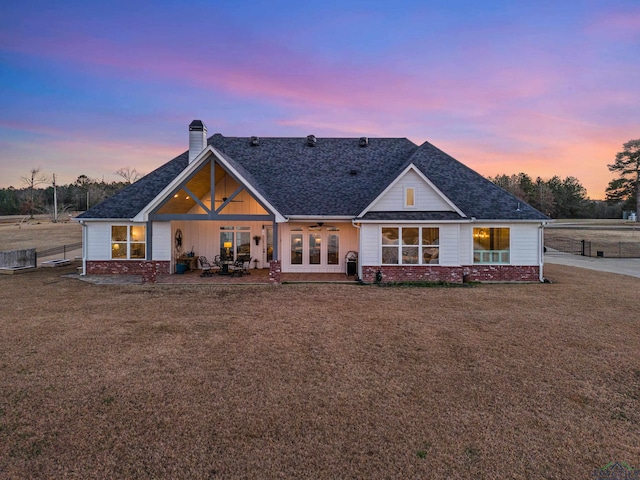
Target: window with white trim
235,241
315,245
409,197
410,245
491,245
128,242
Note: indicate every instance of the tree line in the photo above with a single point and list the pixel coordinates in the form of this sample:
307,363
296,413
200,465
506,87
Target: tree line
567,198
557,197
33,197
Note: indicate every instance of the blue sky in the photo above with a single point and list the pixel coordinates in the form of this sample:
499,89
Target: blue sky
547,88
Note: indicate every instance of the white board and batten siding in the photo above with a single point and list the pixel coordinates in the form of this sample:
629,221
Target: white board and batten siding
525,244
426,198
162,240
449,242
98,240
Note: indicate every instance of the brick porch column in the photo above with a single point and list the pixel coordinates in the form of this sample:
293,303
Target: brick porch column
149,272
275,272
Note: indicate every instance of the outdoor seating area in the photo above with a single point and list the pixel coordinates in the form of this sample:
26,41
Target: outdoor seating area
221,266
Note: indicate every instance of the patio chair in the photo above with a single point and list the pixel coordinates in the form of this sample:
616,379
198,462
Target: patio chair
246,263
236,267
207,267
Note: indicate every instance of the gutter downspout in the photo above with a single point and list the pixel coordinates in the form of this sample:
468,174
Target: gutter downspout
541,240
84,247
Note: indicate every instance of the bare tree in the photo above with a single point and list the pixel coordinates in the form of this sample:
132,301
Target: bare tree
129,174
34,178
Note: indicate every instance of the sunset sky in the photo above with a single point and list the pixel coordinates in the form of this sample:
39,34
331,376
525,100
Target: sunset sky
506,86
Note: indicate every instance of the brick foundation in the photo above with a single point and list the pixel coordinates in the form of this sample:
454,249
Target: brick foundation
433,273
126,267
502,273
275,272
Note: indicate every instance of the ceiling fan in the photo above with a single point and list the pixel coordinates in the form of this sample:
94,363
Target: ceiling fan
225,198
320,225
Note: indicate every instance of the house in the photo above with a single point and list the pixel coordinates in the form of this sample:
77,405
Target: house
302,204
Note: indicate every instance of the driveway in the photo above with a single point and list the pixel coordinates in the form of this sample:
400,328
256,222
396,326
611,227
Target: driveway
623,266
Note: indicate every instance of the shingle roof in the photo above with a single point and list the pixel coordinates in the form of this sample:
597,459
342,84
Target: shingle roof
129,201
336,177
468,190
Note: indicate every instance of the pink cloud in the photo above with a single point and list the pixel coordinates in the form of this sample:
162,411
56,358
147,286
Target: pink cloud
492,106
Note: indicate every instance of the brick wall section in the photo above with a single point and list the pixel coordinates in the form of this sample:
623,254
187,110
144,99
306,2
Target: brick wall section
275,272
125,267
502,273
473,273
150,272
413,273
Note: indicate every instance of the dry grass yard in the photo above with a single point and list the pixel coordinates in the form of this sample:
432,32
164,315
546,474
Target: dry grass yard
318,381
603,231
40,234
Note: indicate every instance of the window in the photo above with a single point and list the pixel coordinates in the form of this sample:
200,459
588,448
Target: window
431,245
390,240
491,245
128,242
333,249
315,245
243,242
410,245
226,243
296,249
409,197
235,242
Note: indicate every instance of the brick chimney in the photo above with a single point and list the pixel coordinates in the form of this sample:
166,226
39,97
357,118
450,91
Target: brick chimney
197,138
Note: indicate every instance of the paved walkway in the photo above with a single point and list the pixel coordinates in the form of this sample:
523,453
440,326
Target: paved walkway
259,276
622,266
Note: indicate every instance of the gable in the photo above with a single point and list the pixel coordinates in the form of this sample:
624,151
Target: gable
209,188
426,198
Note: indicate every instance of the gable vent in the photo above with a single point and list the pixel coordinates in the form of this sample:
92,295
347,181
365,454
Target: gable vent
364,141
311,140
255,141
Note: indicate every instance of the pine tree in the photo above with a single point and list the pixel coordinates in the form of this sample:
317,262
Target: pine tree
627,186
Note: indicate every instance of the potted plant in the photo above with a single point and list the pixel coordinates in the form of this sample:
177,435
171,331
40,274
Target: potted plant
256,239
255,263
